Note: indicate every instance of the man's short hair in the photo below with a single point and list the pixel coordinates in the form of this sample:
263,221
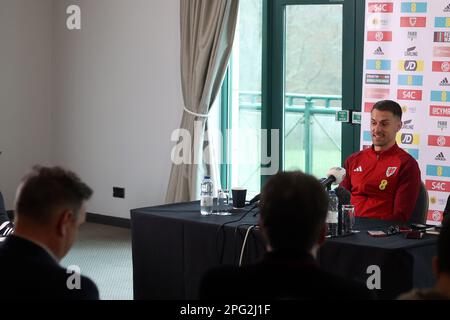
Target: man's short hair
44,189
444,246
389,105
294,207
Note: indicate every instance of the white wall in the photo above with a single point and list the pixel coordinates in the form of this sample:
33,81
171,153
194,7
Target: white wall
25,89
117,98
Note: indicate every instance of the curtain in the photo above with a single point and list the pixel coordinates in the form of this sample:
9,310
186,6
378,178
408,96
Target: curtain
207,33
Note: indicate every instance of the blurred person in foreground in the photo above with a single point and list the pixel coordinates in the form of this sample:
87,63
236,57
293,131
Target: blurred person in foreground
293,210
441,270
49,209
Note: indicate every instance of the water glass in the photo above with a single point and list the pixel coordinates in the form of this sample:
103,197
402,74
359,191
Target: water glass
223,201
348,218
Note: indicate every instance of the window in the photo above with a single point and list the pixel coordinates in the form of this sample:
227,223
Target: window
308,74
241,101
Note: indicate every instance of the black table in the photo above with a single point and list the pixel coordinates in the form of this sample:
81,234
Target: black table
173,245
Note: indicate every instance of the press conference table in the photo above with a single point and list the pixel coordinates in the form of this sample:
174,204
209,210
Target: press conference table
173,245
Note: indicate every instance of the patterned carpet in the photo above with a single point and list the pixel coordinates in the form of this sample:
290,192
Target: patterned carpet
103,253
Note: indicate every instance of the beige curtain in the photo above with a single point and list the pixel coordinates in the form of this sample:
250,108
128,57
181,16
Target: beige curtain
207,33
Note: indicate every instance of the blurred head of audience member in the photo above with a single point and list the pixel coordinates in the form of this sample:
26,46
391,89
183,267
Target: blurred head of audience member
293,210
441,269
50,207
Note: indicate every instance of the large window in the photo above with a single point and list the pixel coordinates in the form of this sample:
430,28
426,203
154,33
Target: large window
313,87
307,74
242,101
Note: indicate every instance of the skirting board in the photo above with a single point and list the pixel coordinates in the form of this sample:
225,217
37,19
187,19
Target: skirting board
108,220
96,218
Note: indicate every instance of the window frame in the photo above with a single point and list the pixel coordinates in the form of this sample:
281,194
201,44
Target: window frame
272,87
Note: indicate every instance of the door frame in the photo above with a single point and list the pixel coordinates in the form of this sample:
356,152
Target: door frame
274,65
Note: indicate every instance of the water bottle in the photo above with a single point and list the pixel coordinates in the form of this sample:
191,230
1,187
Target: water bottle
206,196
333,214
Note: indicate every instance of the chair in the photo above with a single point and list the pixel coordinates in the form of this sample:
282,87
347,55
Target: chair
6,227
419,215
447,209
3,213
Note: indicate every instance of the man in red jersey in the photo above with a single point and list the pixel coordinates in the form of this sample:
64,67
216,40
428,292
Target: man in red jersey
384,180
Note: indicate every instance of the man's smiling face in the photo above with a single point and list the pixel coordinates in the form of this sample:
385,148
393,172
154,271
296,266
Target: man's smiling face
384,127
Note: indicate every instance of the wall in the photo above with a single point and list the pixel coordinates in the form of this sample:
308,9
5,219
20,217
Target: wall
117,98
25,89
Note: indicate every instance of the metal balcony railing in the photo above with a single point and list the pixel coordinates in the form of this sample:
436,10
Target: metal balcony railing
307,105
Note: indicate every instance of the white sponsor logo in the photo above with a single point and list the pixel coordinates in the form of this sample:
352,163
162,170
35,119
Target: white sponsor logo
436,216
390,171
379,36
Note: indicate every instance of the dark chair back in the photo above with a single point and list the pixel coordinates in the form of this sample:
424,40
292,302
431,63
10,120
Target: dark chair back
447,209
3,213
420,212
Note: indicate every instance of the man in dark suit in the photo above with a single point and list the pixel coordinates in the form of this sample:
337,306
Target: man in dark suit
293,210
49,208
441,270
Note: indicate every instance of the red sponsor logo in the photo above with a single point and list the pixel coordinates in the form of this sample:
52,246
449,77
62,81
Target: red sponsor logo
379,7
439,111
377,93
436,185
403,94
441,66
441,51
368,106
379,36
435,215
440,141
413,22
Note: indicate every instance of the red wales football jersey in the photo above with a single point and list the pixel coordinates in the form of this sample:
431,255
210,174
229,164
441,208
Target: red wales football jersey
384,185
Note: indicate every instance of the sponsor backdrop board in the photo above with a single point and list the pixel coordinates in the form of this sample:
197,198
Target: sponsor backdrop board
407,59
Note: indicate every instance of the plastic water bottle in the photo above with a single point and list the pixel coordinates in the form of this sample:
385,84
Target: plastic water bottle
206,196
333,213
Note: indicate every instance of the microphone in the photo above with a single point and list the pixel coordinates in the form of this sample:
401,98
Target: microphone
334,176
255,198
344,196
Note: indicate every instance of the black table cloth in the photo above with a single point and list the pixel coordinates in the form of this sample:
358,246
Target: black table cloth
173,245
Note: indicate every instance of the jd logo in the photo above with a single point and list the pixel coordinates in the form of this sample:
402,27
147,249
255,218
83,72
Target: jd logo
74,280
73,21
410,65
374,280
407,138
